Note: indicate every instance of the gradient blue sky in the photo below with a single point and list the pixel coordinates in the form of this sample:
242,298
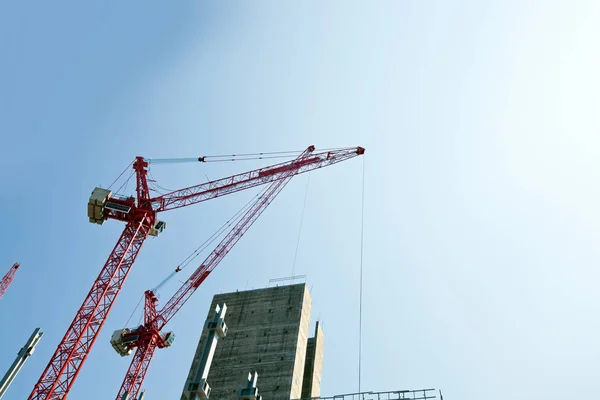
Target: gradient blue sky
481,125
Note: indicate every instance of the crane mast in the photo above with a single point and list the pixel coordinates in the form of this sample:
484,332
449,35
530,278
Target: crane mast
147,338
8,278
140,216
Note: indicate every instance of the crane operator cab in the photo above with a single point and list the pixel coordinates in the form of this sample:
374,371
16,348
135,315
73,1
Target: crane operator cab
103,204
158,228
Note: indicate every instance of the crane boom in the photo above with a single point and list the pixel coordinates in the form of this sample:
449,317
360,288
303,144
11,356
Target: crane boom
8,278
147,338
257,177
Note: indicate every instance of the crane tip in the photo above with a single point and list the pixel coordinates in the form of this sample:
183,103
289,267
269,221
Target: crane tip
360,150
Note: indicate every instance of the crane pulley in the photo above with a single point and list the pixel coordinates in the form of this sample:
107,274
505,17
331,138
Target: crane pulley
140,216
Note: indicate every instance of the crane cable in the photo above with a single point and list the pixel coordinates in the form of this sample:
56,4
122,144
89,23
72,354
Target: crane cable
194,254
362,230
120,175
219,232
300,227
234,157
197,252
133,312
226,157
125,184
155,186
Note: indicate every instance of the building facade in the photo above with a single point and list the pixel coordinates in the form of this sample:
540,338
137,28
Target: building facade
267,333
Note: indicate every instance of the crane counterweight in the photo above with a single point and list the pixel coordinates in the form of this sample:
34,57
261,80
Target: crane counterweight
98,199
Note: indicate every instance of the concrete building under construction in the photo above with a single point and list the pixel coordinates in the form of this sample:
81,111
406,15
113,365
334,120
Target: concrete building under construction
264,331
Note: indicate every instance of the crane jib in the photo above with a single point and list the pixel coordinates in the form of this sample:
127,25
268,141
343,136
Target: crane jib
292,166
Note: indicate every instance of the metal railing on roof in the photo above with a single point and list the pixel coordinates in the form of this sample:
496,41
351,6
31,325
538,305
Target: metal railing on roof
421,394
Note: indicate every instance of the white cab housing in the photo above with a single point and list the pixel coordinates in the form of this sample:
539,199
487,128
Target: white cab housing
116,340
96,204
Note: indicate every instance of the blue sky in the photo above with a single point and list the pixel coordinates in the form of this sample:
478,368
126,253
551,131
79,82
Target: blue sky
481,214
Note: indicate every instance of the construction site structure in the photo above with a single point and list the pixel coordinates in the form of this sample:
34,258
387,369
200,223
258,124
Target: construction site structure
268,335
267,346
140,216
8,278
25,352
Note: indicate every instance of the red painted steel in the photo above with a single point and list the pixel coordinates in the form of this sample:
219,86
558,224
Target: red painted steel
72,351
65,364
137,370
8,278
156,321
149,339
257,177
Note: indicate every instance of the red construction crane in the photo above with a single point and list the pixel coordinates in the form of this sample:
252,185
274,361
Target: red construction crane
139,214
7,279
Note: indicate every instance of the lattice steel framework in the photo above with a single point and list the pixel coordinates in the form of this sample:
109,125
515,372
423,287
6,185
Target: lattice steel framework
8,278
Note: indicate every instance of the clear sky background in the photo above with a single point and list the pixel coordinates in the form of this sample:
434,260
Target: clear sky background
480,121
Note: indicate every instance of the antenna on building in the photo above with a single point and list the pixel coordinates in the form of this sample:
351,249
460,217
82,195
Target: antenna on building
287,278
